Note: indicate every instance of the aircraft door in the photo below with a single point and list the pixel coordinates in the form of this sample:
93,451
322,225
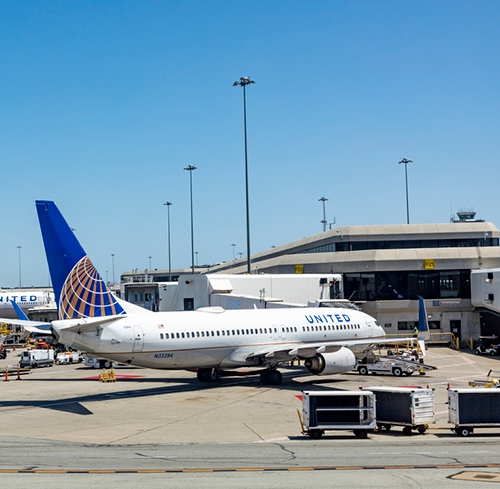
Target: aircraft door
275,331
282,331
138,339
369,328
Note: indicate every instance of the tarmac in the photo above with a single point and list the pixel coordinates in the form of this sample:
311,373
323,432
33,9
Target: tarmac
69,403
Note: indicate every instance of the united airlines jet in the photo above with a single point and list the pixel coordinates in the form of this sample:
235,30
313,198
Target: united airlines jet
25,299
93,320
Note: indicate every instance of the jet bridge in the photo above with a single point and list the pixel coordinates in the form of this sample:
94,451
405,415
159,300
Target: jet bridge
485,289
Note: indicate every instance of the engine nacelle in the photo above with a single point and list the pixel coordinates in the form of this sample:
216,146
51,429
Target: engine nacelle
332,363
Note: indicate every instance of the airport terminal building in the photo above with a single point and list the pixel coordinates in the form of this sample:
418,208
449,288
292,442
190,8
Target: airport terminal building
385,268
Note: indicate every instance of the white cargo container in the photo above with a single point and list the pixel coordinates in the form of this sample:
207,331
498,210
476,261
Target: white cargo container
473,408
410,407
37,358
338,410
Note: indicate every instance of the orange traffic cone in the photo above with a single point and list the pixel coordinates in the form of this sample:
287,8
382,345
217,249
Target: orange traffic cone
6,375
18,375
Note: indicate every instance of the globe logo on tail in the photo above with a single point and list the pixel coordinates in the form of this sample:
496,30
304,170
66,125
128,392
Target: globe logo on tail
84,294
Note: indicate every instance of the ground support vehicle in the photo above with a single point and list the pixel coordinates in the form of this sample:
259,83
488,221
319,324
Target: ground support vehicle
473,408
409,407
95,362
338,410
492,350
378,364
65,358
37,358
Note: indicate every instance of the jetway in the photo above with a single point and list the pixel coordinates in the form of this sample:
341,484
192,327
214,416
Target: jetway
485,289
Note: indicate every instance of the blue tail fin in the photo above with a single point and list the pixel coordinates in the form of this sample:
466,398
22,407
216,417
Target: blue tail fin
423,327
19,312
78,288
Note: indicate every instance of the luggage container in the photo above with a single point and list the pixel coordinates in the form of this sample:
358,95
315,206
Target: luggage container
473,408
338,410
410,407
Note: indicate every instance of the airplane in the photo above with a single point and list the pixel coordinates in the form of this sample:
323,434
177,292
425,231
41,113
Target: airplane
208,339
25,299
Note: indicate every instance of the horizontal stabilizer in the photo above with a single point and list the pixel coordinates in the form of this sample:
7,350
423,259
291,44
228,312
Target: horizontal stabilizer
85,324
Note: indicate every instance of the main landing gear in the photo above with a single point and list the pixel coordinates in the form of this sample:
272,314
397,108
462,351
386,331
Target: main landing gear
271,376
207,375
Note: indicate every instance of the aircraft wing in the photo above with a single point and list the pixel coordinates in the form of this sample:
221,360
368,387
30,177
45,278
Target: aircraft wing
32,326
309,350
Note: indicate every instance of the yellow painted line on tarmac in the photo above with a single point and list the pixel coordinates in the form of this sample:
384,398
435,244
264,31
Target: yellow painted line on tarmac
248,469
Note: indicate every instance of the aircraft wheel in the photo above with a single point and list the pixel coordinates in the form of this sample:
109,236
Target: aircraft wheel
265,377
275,377
397,372
212,375
201,375
363,370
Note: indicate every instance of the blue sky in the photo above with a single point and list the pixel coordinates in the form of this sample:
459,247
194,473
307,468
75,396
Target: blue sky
105,102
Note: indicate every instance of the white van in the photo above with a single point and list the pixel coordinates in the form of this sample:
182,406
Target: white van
37,358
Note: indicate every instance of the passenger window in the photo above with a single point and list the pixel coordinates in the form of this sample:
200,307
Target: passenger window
237,331
208,333
275,330
213,333
218,333
187,334
198,334
251,331
233,332
265,330
182,335
223,333
178,335
260,330
228,332
203,333
161,336
166,336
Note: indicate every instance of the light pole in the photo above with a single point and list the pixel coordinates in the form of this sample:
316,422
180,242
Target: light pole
113,262
233,246
244,81
405,163
323,199
19,248
168,204
190,169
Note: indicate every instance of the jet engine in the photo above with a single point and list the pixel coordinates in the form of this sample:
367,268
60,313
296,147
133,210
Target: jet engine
331,363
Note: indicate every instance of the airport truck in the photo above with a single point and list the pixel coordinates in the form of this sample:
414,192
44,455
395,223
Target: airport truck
68,357
37,358
377,364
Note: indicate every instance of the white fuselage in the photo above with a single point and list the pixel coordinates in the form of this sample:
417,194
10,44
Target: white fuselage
25,299
196,339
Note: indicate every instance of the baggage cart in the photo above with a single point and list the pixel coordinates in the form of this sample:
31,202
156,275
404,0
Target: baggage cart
338,410
473,408
409,407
